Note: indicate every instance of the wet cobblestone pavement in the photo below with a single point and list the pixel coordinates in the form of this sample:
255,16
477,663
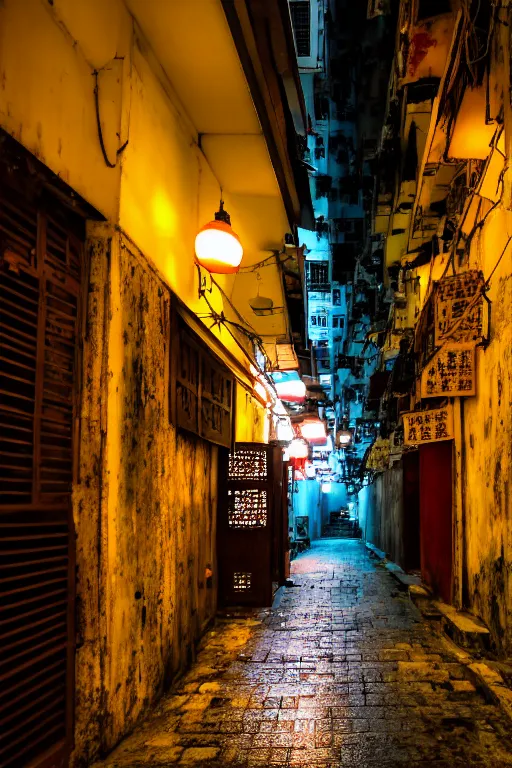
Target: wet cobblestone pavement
344,672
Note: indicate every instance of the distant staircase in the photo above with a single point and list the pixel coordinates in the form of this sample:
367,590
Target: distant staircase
341,526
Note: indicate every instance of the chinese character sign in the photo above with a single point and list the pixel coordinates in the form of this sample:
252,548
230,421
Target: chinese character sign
453,298
452,371
428,426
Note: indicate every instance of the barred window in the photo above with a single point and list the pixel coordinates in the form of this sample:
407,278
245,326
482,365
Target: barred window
301,13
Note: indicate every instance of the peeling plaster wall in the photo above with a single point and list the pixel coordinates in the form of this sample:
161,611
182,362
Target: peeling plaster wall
145,508
89,507
487,464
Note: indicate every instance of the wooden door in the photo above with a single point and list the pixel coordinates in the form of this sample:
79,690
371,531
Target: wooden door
280,538
246,525
40,275
436,524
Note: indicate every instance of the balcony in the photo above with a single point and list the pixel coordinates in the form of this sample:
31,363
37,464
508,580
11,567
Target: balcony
317,277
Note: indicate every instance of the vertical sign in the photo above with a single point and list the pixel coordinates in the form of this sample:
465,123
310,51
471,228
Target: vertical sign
451,372
458,305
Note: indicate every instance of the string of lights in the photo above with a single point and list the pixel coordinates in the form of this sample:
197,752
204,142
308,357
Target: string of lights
220,320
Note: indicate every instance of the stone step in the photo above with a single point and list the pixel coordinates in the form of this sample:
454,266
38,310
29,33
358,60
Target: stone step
463,628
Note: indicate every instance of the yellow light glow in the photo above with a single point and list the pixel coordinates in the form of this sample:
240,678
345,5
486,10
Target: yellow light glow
164,215
218,248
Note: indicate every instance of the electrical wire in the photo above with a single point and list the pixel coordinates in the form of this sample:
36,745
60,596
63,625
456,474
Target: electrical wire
268,262
98,125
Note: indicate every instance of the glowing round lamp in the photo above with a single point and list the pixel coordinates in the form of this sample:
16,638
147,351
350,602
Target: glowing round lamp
218,247
298,449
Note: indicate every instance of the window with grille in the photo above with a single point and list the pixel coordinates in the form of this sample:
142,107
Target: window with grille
301,20
320,321
318,272
248,464
247,508
201,389
241,581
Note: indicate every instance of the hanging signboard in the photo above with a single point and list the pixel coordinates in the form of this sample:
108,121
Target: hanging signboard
428,426
458,308
452,372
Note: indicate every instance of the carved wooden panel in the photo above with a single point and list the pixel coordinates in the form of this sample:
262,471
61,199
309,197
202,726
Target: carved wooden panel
241,581
247,508
250,487
248,464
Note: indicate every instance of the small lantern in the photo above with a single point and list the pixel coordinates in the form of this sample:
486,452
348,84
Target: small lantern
344,438
289,386
218,247
298,449
313,430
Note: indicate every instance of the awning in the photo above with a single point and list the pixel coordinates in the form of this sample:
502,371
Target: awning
217,348
286,358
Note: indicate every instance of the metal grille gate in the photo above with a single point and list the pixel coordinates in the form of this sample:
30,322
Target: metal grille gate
40,263
250,488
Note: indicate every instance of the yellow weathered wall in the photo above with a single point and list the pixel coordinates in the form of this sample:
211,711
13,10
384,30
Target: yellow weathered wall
145,504
251,423
487,483
46,95
145,508
162,189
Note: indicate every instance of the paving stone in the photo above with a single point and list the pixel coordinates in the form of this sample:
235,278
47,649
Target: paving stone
345,673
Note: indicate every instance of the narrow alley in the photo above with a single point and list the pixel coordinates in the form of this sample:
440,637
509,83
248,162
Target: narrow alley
343,671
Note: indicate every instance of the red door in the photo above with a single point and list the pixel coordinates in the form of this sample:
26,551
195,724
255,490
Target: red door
436,517
411,490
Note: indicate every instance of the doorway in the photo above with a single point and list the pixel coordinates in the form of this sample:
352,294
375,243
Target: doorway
436,517
252,529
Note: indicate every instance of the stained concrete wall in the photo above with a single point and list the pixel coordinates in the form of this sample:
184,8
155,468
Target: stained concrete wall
487,447
145,508
309,500
381,513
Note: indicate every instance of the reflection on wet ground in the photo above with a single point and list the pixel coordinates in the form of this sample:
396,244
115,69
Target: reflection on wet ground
342,672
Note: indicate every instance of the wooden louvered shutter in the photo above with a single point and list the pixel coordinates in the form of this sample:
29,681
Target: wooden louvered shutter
40,258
